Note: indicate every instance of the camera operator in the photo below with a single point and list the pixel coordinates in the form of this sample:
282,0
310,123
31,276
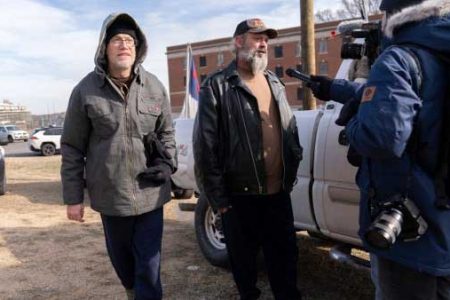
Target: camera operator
396,122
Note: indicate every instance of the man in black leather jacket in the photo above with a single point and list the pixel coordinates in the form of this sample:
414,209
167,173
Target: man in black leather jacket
247,152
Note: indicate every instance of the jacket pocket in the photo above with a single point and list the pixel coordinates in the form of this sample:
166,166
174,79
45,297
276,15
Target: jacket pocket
149,111
102,118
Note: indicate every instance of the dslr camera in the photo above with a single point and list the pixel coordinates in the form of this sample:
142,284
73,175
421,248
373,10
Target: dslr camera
397,218
372,35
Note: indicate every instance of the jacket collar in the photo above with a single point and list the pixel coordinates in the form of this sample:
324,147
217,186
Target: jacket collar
101,79
231,74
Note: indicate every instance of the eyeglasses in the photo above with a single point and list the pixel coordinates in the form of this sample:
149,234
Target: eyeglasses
128,42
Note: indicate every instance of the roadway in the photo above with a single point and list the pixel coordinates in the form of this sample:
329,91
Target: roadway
18,149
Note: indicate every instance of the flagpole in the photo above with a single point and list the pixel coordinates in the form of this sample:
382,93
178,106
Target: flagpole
186,104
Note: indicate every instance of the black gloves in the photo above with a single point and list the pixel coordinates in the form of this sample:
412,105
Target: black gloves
159,161
321,87
159,173
349,109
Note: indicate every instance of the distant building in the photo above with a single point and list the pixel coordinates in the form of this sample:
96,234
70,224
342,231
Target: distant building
55,119
15,114
284,52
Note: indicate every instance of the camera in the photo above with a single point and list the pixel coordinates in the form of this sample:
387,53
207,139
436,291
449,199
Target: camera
371,33
397,218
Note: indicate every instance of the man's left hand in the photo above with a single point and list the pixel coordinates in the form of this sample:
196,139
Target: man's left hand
158,174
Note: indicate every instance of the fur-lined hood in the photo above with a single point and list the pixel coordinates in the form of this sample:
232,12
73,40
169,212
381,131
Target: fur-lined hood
417,13
426,24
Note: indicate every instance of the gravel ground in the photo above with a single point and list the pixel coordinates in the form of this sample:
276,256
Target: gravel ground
44,256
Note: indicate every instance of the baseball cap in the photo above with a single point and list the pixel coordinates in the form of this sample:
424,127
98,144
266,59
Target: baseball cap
254,26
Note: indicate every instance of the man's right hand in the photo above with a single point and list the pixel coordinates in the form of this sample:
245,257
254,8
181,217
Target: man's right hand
75,212
223,210
321,87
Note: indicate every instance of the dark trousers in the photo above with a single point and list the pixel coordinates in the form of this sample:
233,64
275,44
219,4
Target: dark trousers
262,221
134,247
396,282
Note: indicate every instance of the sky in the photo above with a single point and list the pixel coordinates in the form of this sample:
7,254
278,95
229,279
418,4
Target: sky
48,46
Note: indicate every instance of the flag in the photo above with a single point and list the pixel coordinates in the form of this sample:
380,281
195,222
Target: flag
192,87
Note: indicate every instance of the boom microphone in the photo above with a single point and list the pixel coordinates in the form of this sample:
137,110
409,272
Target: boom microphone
346,27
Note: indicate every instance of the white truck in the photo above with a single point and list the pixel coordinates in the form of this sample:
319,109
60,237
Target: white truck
325,200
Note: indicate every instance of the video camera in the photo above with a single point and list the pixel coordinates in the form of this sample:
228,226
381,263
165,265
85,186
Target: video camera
369,31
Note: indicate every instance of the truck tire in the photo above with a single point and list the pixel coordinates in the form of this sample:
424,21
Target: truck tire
208,229
182,193
10,139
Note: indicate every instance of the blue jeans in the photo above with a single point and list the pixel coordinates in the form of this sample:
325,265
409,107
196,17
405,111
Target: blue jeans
134,247
396,282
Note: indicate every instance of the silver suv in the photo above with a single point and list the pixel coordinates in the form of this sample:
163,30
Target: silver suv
14,133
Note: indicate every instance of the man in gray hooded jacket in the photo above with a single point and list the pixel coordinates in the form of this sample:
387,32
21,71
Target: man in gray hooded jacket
118,135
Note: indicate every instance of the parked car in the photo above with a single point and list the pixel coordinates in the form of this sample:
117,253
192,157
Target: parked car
3,136
47,141
2,172
14,133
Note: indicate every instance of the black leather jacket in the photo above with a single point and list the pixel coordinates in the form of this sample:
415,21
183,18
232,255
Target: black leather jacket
227,138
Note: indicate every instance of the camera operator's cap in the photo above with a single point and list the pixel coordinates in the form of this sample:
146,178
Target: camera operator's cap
391,6
254,26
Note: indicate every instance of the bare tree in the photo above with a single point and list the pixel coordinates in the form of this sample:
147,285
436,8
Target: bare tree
351,9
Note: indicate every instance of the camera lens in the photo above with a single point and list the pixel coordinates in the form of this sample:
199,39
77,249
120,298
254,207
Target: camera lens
383,232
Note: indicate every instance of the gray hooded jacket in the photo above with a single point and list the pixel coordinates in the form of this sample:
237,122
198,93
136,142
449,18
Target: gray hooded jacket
103,137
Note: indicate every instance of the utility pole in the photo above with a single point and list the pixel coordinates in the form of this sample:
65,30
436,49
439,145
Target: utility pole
308,48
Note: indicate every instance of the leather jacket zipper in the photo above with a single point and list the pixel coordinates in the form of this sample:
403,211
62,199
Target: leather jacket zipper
260,188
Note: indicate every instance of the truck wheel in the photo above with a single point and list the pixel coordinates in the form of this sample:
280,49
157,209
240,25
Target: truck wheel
210,238
182,193
10,139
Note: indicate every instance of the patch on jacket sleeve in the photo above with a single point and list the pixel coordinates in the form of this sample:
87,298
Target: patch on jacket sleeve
368,94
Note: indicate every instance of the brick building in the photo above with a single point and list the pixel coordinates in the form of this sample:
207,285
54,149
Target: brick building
284,52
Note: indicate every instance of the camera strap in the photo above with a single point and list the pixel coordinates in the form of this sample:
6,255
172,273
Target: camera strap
413,142
441,174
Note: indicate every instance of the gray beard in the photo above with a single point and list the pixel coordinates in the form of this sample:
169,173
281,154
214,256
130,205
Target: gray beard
257,64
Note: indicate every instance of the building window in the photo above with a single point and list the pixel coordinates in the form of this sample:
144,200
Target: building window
184,63
323,68
184,81
202,61
279,71
300,93
278,51
323,46
219,59
299,67
202,78
298,49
